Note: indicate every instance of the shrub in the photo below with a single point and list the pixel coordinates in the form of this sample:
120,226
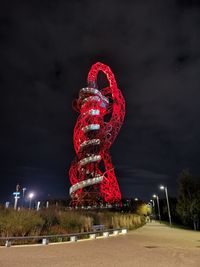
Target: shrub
20,223
117,219
130,221
74,222
51,221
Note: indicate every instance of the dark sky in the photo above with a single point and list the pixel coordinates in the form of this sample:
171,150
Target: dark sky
46,50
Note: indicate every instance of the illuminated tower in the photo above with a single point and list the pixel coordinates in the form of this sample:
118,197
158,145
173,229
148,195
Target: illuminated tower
101,116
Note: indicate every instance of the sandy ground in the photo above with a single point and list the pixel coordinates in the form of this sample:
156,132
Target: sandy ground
152,245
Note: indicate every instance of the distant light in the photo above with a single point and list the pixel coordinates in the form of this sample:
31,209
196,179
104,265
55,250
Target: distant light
31,195
154,196
151,200
162,187
136,199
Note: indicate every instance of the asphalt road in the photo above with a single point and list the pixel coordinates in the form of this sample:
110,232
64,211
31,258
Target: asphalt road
152,245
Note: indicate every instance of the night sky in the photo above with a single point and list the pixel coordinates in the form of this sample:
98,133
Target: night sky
46,50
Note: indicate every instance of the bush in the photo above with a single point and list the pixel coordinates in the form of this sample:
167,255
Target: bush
20,223
130,221
74,222
51,221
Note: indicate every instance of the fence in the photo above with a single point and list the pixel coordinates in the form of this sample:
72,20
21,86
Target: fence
45,239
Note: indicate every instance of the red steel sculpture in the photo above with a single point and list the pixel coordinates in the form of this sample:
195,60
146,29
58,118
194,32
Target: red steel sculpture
101,116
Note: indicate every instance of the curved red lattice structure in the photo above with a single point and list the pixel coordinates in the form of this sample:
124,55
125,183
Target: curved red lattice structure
101,116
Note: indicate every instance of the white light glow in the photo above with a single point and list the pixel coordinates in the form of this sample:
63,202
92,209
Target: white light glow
31,195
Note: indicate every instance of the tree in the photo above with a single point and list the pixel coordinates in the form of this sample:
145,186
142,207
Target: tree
188,206
143,209
195,210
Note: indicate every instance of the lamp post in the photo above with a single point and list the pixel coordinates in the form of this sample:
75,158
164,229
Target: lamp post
153,208
7,204
31,195
38,205
23,194
162,187
16,197
152,201
157,198
24,190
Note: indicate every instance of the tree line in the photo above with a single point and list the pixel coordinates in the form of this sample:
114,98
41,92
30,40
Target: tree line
185,208
188,201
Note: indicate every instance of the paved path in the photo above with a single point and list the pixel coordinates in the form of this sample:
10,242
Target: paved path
152,245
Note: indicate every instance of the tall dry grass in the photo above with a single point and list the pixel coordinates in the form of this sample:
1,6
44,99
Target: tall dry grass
20,223
117,219
51,221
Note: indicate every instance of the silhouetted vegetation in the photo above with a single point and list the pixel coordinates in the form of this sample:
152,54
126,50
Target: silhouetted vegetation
188,205
185,209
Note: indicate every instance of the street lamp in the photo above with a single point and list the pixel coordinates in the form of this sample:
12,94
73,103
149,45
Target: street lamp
152,206
152,201
24,190
23,194
30,196
136,199
16,197
157,198
162,187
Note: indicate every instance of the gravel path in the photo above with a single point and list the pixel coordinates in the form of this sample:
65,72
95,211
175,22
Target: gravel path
152,245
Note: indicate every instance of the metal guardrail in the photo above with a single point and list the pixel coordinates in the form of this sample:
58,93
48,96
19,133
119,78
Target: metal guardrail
98,227
45,239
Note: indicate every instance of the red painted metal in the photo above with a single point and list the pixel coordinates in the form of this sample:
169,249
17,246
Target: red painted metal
101,116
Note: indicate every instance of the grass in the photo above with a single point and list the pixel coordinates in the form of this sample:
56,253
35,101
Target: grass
176,225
